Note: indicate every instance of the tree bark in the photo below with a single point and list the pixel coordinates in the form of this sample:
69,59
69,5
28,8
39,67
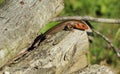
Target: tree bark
21,21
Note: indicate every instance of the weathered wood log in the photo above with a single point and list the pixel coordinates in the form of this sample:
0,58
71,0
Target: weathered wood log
63,53
20,22
96,69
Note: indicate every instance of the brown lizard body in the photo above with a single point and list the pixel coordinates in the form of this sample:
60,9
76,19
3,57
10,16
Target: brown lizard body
65,25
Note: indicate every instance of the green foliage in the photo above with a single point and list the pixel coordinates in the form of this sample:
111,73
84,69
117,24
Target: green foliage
106,8
2,1
48,26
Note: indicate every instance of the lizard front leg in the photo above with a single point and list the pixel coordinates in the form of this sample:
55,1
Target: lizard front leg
68,27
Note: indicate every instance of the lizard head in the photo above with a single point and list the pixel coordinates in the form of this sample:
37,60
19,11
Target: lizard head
81,26
86,26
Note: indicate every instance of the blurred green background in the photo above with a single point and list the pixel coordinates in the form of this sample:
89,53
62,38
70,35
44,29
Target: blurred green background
2,1
101,52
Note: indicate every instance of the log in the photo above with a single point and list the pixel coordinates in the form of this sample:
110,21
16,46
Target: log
21,21
63,53
96,69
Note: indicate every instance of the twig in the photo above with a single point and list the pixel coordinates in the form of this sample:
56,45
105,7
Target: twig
109,42
89,18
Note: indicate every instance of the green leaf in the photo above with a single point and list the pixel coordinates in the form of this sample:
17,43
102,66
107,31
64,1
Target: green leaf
48,26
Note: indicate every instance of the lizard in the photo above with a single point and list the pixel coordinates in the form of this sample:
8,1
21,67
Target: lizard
65,25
